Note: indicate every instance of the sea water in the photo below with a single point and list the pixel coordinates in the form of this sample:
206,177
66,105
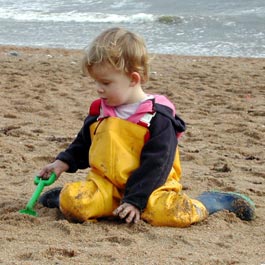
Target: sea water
203,27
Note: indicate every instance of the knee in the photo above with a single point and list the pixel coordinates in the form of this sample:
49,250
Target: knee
173,209
80,201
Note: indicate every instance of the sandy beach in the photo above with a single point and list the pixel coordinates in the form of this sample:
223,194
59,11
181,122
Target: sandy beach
44,99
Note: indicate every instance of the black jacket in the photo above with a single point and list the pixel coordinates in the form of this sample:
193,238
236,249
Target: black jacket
156,159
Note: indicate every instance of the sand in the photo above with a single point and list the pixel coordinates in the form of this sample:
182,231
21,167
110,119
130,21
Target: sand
43,100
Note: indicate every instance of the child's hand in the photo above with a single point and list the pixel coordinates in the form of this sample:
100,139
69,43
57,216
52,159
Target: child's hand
58,167
129,212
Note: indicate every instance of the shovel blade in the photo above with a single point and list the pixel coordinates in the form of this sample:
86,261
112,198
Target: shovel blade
29,212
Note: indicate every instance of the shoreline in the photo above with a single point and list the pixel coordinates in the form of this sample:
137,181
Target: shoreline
35,48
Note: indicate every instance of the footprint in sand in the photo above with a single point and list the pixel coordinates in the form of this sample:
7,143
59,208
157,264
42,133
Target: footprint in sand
119,240
45,159
10,116
53,252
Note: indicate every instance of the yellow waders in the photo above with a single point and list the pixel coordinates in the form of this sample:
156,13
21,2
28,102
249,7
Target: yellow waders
114,154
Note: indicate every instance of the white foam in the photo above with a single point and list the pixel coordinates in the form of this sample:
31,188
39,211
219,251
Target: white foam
74,16
127,4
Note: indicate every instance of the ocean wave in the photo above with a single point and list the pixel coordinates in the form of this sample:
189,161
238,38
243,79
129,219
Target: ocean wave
91,17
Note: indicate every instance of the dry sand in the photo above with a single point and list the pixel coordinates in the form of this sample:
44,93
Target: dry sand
43,101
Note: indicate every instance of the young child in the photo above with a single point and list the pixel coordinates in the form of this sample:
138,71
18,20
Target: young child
129,141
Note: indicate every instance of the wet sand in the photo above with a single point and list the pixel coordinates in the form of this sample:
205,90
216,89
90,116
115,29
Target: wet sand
43,100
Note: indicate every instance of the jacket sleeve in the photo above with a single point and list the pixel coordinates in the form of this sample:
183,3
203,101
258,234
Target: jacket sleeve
76,155
156,161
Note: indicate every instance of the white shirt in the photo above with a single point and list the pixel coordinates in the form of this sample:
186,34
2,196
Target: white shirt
125,111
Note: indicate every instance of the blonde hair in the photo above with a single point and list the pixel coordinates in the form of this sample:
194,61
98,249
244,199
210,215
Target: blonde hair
122,49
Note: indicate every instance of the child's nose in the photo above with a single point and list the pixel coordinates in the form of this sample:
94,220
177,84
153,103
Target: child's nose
100,90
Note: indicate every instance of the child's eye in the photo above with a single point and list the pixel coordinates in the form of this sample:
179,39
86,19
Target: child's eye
104,83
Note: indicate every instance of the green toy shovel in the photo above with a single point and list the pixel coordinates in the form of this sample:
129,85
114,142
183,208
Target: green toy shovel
41,183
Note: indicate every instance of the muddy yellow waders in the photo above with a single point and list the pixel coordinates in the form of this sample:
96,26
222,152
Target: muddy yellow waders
114,154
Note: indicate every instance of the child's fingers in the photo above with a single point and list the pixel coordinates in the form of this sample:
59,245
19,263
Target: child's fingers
131,216
129,212
45,173
124,213
117,210
137,217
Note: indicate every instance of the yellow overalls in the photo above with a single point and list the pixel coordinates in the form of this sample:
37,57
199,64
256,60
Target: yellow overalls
114,154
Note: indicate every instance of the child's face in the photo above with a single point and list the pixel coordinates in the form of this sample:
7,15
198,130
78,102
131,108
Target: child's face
115,87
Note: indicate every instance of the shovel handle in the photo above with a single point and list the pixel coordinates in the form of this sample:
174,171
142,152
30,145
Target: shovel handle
45,182
41,183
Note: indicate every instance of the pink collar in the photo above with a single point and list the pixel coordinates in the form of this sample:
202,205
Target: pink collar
144,107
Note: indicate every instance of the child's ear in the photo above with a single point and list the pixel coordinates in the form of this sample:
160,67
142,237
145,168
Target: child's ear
135,79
